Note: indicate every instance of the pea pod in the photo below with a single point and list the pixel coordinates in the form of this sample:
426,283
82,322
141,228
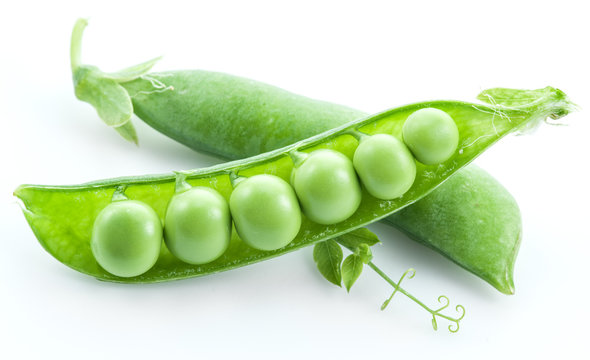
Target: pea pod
491,260
62,216
233,117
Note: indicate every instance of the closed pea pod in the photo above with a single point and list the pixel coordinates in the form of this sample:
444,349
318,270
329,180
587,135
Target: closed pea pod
327,186
265,212
255,117
386,167
198,225
126,238
432,135
461,221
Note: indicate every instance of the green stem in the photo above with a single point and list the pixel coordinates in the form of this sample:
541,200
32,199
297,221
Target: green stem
181,185
119,194
434,313
298,157
76,44
358,135
235,179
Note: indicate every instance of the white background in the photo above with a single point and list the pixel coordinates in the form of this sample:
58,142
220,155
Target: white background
373,57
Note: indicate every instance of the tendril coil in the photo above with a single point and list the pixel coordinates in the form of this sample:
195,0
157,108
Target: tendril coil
442,300
410,273
454,327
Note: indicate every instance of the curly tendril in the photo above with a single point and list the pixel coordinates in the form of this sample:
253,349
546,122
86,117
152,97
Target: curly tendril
410,273
443,300
446,302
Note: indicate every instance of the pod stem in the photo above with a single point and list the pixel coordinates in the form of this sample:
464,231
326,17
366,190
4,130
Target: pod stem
434,312
76,44
119,194
235,179
358,135
103,90
549,101
181,185
298,157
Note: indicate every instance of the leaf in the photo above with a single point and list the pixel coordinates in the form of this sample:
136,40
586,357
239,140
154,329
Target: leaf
127,131
328,257
133,72
111,100
365,253
353,239
352,267
102,90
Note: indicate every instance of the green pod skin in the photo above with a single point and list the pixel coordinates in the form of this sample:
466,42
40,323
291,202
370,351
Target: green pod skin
385,165
252,118
492,261
223,128
126,238
198,225
61,216
196,127
327,187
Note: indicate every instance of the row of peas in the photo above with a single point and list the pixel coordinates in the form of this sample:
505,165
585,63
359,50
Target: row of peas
266,210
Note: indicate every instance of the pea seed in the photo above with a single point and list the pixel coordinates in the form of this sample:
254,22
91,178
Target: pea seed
327,187
432,135
265,212
198,225
385,165
126,238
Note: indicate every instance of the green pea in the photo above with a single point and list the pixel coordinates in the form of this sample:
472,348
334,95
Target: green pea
385,165
265,212
198,225
327,187
126,238
432,135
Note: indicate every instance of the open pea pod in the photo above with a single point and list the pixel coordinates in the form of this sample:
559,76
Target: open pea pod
62,217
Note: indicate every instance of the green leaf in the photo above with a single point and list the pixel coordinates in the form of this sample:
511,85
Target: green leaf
328,257
111,100
365,253
127,131
353,239
133,72
352,267
102,90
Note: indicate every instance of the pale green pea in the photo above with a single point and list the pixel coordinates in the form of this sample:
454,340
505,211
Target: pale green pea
198,225
385,166
126,238
265,211
432,135
327,187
